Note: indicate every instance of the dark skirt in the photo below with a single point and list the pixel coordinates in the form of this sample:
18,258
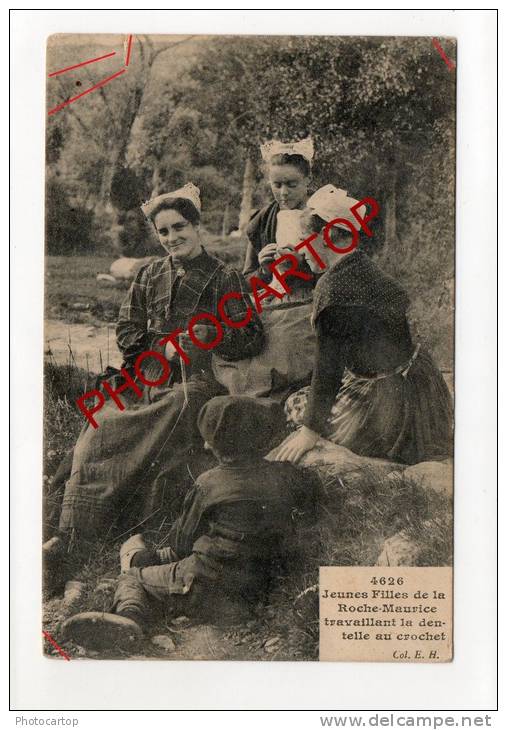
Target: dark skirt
404,416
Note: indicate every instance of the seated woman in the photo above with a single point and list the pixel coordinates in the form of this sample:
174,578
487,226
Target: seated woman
372,390
115,464
273,231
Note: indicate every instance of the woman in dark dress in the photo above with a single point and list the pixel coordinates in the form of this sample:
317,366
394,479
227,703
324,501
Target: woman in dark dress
373,389
288,170
273,231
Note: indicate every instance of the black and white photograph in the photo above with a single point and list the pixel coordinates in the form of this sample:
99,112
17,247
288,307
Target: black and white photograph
248,340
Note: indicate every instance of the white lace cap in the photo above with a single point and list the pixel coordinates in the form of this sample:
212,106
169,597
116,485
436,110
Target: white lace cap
329,203
189,191
274,147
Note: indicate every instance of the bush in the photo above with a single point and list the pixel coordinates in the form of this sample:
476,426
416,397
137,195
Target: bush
69,229
134,236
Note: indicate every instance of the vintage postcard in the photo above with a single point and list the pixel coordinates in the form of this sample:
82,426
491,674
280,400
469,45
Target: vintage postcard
249,348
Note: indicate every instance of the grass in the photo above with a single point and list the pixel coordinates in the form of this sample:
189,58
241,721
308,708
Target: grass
353,522
62,424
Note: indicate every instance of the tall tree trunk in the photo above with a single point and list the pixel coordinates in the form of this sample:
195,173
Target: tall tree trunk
108,171
155,181
246,195
225,221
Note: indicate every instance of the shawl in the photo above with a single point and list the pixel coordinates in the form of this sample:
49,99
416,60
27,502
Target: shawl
162,276
357,282
262,227
262,230
162,299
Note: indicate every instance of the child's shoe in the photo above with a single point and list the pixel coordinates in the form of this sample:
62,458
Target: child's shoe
102,631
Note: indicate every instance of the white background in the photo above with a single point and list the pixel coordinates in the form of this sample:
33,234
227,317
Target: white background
469,682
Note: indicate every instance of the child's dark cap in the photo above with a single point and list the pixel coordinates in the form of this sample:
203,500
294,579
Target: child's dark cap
234,425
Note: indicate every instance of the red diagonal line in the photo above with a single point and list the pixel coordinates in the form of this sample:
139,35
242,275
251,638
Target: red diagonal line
59,648
129,46
446,60
87,91
84,63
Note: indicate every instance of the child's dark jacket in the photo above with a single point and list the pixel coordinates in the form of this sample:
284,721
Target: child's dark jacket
236,519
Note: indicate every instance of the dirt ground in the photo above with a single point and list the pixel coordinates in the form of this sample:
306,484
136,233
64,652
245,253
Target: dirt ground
262,637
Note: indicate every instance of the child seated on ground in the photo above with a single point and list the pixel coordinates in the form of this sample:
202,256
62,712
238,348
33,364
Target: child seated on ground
230,539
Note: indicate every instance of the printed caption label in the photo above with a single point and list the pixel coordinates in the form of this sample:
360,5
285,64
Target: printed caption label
380,614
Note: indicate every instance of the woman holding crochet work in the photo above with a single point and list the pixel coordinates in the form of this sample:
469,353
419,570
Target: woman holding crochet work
273,231
373,390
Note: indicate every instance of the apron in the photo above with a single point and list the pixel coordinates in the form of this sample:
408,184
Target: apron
285,364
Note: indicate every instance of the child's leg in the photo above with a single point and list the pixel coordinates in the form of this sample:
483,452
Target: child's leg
140,589
130,598
135,554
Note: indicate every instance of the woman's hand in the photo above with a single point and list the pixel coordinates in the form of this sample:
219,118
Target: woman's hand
285,265
203,332
304,440
267,254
